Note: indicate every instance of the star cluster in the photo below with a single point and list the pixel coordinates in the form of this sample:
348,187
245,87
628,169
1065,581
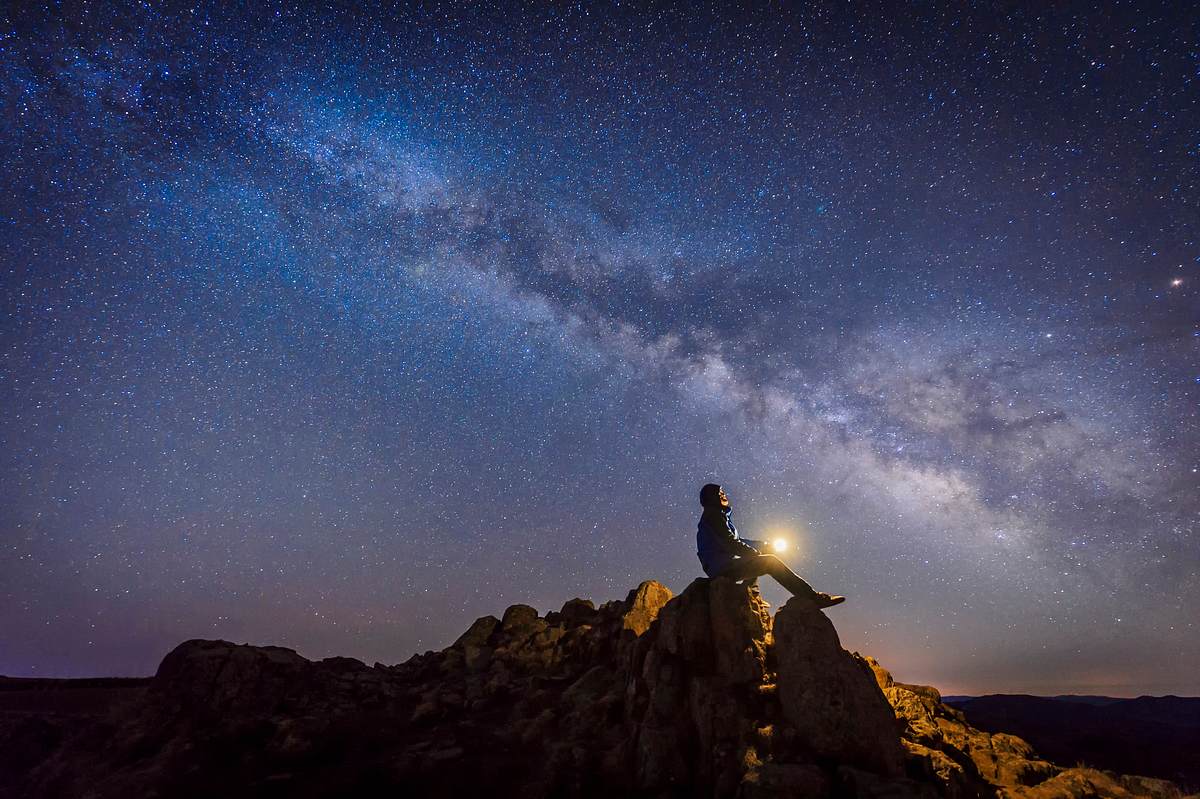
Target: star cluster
336,329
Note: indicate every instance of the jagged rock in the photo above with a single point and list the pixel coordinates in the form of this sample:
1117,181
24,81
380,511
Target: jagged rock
700,694
830,696
741,631
940,742
935,766
578,611
478,633
705,657
1085,783
790,780
643,604
474,642
868,785
215,676
519,620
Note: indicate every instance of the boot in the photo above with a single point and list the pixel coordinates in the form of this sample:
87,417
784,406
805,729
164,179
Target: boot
824,600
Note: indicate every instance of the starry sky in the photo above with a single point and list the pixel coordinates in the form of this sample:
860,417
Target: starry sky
338,328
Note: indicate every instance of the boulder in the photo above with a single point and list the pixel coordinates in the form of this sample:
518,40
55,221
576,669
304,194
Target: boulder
519,620
830,696
643,604
216,676
578,611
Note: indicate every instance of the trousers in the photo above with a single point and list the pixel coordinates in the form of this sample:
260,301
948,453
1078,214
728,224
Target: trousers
750,566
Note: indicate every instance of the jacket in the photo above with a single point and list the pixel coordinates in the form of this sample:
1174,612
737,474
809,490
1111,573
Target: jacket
718,543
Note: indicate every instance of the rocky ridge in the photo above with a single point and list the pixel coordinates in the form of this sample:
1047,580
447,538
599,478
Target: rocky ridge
701,694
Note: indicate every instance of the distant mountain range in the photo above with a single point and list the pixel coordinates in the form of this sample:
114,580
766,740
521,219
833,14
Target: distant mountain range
1155,736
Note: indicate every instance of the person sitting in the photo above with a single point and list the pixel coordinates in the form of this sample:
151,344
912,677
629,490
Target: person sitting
723,553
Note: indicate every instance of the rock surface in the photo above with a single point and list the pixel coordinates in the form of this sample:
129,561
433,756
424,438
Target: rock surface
703,694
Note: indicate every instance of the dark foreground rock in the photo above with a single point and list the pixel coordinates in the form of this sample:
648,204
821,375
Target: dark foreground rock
704,694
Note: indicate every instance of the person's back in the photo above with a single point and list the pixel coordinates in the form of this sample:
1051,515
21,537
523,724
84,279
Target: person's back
717,541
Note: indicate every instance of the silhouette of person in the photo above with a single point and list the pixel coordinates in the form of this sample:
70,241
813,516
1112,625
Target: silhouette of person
723,553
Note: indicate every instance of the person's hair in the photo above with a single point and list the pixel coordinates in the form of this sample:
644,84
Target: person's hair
710,495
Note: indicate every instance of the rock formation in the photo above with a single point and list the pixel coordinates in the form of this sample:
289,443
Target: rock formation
704,694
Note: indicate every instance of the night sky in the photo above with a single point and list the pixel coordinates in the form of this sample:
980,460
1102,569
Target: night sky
338,329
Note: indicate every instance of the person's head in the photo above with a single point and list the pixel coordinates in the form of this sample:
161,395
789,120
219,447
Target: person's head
713,496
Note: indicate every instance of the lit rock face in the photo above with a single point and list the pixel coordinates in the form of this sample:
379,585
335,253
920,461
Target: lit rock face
697,689
830,696
701,694
965,762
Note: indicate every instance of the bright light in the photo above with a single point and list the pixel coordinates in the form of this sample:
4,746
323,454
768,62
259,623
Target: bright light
780,544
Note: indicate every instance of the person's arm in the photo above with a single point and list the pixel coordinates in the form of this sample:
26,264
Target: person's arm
739,546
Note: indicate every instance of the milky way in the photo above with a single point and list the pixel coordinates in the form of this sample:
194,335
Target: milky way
336,330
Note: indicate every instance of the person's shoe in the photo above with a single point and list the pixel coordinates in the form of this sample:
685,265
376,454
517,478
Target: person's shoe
824,600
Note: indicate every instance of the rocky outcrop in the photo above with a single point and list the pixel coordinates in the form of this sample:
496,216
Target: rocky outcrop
939,743
701,694
966,762
830,696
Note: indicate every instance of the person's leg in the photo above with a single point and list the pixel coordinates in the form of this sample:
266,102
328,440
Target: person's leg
793,582
755,565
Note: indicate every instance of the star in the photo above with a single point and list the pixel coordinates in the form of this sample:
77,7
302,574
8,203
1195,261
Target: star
317,317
